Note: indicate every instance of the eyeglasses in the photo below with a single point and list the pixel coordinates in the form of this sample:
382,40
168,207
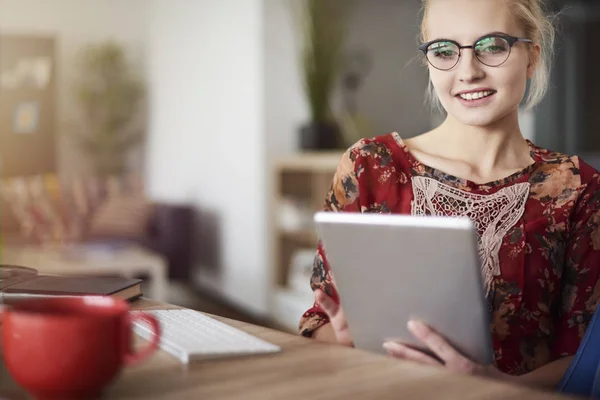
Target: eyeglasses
491,50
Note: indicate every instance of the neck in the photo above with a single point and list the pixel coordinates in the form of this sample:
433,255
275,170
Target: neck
500,145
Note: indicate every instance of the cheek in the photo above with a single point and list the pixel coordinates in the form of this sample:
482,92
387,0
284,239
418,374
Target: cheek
516,73
441,81
515,82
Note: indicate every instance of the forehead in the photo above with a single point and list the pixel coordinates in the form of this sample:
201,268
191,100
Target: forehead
466,20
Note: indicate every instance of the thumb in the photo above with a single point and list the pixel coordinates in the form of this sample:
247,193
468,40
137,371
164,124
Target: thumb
330,307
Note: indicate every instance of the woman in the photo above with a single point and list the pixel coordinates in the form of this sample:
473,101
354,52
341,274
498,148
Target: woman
537,212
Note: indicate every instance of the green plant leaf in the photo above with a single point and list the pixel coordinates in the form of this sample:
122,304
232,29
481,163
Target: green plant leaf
109,94
323,26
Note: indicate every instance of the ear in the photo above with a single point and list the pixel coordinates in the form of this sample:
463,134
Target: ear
534,58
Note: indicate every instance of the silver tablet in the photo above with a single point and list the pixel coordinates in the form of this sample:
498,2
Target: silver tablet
390,268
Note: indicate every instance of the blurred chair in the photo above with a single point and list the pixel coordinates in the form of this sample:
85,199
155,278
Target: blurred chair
582,377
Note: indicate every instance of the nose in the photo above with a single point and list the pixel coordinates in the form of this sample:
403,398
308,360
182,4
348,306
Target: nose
469,67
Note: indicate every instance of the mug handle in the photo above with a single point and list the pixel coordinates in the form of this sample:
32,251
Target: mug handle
134,357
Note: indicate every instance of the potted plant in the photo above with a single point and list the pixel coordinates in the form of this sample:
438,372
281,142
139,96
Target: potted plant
323,31
109,94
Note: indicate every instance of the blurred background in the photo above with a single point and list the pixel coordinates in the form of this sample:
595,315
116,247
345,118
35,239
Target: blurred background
188,142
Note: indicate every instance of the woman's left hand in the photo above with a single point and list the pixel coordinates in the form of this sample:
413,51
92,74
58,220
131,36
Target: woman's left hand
451,358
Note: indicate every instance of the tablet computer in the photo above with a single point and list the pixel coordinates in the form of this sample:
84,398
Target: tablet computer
390,268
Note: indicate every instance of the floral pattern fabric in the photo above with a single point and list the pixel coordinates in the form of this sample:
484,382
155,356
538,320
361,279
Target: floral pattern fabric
548,287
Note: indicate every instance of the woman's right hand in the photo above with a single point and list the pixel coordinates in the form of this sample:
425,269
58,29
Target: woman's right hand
337,320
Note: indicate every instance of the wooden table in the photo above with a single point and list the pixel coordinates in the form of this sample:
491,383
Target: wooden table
304,370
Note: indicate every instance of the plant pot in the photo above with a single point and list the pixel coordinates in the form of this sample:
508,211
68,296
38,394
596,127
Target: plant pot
320,136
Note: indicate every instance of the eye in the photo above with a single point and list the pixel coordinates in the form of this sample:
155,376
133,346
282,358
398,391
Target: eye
493,45
443,50
444,53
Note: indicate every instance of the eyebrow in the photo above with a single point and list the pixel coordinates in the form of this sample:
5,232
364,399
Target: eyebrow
495,33
479,37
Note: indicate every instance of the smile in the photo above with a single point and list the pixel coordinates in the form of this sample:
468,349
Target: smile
476,95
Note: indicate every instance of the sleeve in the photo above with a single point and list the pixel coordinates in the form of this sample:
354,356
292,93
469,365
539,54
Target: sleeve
580,284
343,196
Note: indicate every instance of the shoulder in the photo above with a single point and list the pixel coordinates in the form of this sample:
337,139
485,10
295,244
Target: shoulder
358,161
382,149
570,170
365,168
563,177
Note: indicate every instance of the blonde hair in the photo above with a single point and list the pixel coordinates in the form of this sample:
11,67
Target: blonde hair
537,25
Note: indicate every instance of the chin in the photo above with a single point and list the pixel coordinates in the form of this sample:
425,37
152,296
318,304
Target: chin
480,120
479,116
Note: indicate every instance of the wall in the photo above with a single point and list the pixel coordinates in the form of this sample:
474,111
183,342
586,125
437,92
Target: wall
207,138
285,106
75,23
394,91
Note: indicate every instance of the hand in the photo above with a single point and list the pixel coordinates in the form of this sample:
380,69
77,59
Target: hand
450,358
336,316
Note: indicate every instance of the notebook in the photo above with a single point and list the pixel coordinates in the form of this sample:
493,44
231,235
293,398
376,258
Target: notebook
35,286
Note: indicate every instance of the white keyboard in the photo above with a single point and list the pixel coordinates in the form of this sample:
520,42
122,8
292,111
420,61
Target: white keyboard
191,336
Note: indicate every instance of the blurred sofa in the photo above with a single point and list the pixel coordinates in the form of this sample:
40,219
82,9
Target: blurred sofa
46,208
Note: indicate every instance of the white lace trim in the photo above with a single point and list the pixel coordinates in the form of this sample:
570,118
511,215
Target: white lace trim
493,215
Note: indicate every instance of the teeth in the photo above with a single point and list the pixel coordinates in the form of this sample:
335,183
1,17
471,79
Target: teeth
475,95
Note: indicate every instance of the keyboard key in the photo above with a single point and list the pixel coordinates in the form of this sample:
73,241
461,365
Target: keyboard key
192,336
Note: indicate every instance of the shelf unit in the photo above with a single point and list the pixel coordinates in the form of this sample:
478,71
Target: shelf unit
303,178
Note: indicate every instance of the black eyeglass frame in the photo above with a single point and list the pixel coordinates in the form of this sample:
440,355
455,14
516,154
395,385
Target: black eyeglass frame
511,40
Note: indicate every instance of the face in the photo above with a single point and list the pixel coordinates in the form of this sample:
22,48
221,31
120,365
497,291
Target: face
460,89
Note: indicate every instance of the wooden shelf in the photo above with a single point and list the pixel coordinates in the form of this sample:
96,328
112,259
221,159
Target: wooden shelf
303,178
301,235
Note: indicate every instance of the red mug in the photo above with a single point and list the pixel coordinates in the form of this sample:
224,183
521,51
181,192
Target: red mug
71,348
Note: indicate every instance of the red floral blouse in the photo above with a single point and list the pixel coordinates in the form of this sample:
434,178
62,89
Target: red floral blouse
541,255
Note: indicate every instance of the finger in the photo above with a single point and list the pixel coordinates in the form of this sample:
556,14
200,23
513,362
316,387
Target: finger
438,345
401,351
330,307
335,314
